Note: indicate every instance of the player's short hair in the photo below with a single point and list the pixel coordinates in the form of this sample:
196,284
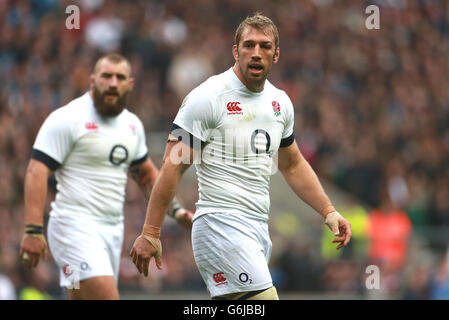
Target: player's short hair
115,58
258,21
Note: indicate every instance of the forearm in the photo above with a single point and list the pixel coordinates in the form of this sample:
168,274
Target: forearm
35,195
162,195
172,206
305,183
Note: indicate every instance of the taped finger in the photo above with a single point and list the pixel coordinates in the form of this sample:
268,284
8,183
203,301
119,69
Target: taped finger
139,263
159,263
146,265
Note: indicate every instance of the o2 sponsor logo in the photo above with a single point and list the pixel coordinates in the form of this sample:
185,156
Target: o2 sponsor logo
244,278
118,155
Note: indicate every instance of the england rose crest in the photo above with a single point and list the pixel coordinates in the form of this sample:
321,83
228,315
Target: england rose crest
276,108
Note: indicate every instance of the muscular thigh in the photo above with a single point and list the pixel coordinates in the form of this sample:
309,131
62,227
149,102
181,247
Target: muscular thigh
97,288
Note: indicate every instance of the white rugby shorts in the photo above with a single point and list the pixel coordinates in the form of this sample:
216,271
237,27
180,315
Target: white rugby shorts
84,249
232,252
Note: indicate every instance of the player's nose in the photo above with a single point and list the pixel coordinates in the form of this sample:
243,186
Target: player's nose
256,53
113,82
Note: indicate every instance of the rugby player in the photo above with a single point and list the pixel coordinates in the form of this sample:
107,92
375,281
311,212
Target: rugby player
91,144
232,126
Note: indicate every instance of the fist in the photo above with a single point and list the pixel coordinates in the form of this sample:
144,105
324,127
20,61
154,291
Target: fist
184,218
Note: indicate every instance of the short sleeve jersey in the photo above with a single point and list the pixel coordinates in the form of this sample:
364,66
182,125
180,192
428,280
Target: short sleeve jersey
240,132
91,155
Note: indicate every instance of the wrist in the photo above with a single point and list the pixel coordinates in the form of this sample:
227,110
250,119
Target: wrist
34,229
151,231
326,210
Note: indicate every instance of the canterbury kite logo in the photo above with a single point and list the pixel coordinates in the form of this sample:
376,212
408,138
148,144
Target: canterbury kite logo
91,126
233,108
67,270
219,278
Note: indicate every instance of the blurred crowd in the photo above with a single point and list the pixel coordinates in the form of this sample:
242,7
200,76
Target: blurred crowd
372,117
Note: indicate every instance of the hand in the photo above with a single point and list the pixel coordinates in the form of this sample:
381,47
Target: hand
184,218
340,227
32,248
143,249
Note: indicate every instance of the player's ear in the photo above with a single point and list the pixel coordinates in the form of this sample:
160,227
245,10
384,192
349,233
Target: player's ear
131,83
235,52
92,80
276,55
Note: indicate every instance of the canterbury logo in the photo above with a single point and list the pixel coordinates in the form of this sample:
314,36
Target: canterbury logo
219,278
67,270
233,108
91,126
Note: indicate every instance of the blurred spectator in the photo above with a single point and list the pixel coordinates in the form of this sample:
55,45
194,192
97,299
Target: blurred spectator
417,286
301,271
342,277
189,68
439,210
104,33
389,230
439,282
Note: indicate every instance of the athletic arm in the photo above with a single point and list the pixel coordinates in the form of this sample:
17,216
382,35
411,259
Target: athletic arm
177,159
304,182
33,242
302,179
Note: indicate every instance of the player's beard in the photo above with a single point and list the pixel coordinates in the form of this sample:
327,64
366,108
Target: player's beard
256,81
106,108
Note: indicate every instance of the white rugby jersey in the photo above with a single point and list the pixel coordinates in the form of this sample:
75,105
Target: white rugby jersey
240,132
91,155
